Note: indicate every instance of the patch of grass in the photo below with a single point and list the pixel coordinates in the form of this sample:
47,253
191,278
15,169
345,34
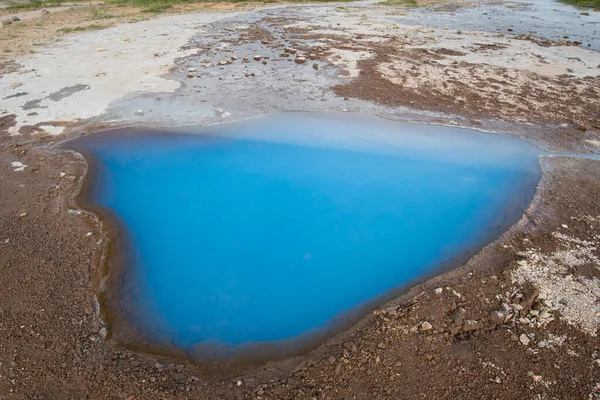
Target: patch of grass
595,4
459,32
405,3
585,14
92,27
97,13
157,7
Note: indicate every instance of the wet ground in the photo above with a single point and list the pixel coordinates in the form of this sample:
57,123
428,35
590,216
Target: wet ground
518,320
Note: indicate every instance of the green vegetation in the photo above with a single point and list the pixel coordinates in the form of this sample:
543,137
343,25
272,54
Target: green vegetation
156,6
405,3
585,13
97,13
93,27
595,4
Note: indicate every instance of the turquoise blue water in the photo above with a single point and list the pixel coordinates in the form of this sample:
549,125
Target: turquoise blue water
269,229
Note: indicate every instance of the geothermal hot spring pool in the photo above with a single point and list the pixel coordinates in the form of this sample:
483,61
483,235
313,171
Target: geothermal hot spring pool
277,228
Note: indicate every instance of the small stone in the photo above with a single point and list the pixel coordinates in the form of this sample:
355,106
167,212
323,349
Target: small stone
101,49
192,70
438,291
536,378
289,50
139,112
190,75
239,383
264,62
316,66
15,85
471,325
534,313
331,360
544,314
44,12
15,19
233,58
516,307
256,58
6,22
524,339
223,62
425,326
179,368
284,55
22,215
497,317
300,60
312,56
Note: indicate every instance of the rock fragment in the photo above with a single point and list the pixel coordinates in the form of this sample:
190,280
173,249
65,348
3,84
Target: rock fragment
497,317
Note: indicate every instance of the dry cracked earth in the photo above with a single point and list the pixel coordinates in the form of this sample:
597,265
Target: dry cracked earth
518,321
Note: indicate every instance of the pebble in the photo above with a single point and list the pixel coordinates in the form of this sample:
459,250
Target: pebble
15,19
290,50
471,325
101,49
497,317
139,112
316,66
223,62
256,58
300,60
284,55
425,326
190,75
536,378
192,70
233,58
524,339
438,291
44,12
15,84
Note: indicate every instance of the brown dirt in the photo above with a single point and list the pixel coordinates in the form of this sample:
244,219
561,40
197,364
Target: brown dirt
50,345
415,78
32,34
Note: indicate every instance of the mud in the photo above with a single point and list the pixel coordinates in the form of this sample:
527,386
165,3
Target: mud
541,275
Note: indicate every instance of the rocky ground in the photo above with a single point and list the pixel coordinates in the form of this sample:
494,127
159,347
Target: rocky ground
519,320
